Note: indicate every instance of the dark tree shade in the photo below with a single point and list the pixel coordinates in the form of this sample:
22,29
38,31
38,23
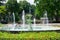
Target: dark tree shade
51,6
12,6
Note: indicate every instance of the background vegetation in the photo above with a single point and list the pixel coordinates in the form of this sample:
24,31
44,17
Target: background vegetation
13,6
51,6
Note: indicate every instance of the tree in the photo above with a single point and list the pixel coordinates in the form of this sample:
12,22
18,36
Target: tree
17,8
51,6
12,6
24,5
33,10
2,13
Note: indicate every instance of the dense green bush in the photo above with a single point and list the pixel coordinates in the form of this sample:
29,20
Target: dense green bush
30,36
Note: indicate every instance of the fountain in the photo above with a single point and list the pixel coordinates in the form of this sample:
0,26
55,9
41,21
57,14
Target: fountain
28,27
14,20
23,18
34,22
44,19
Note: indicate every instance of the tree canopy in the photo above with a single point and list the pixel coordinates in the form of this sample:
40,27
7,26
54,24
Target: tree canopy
51,6
12,6
24,5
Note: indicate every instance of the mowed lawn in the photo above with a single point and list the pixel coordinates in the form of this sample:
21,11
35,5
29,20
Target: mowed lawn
52,35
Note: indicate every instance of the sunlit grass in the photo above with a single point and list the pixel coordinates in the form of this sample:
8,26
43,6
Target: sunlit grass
30,35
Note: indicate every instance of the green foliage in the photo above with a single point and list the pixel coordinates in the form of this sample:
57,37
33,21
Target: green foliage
2,12
24,5
30,36
51,6
12,6
33,7
2,9
17,8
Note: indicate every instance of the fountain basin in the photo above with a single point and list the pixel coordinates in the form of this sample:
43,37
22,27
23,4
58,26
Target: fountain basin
29,28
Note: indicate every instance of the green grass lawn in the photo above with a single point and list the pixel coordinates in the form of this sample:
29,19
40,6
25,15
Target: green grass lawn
31,35
2,25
